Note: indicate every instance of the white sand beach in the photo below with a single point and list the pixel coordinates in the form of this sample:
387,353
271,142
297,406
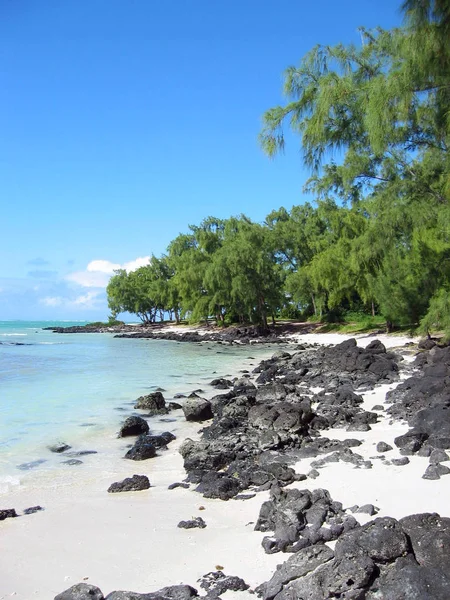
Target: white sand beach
130,541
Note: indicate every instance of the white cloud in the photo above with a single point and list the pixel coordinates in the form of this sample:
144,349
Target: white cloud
52,300
102,266
136,263
98,272
94,279
89,300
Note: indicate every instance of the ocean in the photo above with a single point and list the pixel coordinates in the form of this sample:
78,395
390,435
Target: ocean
78,388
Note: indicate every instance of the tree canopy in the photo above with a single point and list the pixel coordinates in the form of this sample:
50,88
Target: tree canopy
374,128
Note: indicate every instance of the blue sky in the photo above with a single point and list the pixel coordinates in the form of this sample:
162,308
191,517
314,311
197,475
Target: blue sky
125,121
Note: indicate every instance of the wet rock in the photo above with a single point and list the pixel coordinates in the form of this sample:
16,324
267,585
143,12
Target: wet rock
197,523
154,403
7,513
130,484
175,405
59,447
81,591
142,450
197,409
221,383
72,462
133,426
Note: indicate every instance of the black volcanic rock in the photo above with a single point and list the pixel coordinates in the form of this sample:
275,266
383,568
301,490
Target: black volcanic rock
197,409
81,591
7,513
153,403
130,484
133,426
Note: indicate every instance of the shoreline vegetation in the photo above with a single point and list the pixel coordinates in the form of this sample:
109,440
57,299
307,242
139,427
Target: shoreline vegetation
339,449
373,125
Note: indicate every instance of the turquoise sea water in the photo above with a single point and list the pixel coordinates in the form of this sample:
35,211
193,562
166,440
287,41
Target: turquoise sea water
78,387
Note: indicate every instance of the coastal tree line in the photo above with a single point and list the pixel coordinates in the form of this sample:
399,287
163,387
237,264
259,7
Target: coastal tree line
377,238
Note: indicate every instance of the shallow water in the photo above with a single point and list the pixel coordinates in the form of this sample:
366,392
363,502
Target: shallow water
77,388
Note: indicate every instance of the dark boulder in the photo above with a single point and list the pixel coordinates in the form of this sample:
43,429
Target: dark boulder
173,592
197,523
154,403
197,409
81,591
7,513
130,484
221,383
298,565
383,540
133,426
217,583
218,485
376,347
142,450
383,447
429,535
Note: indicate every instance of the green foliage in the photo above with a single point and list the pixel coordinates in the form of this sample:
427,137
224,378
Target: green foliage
376,242
438,314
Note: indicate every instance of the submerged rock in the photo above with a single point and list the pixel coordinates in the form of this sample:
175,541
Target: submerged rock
59,447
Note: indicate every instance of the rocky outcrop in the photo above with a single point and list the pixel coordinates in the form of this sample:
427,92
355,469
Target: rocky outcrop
424,401
384,559
85,591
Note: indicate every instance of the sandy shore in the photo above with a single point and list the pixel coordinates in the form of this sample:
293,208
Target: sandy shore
131,541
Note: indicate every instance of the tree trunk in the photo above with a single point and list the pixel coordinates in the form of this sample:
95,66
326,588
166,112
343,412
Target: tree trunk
373,309
314,304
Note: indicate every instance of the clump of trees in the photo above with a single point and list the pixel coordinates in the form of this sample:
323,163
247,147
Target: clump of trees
378,236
